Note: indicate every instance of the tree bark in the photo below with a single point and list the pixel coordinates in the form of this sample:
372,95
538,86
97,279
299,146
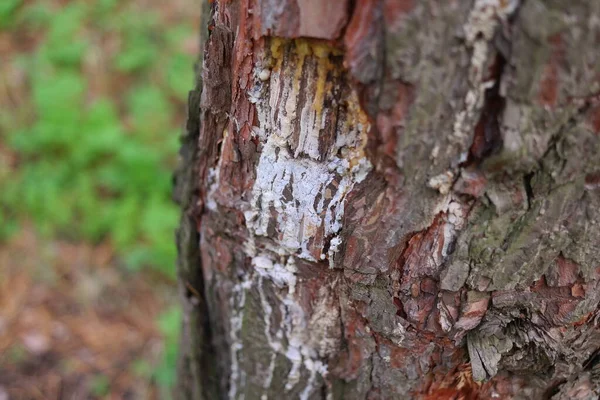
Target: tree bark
388,199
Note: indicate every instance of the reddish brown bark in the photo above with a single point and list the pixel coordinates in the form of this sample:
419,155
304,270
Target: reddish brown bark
397,199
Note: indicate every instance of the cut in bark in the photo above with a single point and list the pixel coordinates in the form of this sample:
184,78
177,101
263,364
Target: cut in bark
388,199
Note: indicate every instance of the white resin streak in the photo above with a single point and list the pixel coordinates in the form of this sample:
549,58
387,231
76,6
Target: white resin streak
297,193
300,350
236,304
303,192
268,310
484,18
294,325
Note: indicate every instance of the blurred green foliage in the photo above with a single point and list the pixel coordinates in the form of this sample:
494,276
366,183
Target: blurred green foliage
92,153
7,9
100,385
95,164
165,373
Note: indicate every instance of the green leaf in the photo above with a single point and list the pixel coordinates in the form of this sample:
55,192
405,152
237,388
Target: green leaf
99,136
8,9
137,257
35,16
100,385
66,44
9,226
124,224
60,96
160,217
141,164
158,223
140,50
105,6
180,75
149,110
169,323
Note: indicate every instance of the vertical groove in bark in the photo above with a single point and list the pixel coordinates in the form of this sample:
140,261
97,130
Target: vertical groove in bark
401,203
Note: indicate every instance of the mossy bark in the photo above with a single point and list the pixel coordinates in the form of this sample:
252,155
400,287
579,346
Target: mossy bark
393,199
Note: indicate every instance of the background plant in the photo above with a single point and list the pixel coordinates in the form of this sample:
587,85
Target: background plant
91,103
94,159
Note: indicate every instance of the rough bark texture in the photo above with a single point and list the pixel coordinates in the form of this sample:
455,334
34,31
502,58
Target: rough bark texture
393,199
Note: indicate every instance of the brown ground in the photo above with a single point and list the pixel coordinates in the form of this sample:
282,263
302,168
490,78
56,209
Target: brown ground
71,323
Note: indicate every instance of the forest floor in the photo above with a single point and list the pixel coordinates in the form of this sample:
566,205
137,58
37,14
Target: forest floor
74,325
92,102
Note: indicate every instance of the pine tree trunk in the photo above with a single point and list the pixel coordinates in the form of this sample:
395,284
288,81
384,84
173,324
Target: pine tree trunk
390,199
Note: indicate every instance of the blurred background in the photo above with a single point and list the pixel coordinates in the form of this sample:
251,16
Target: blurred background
92,103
